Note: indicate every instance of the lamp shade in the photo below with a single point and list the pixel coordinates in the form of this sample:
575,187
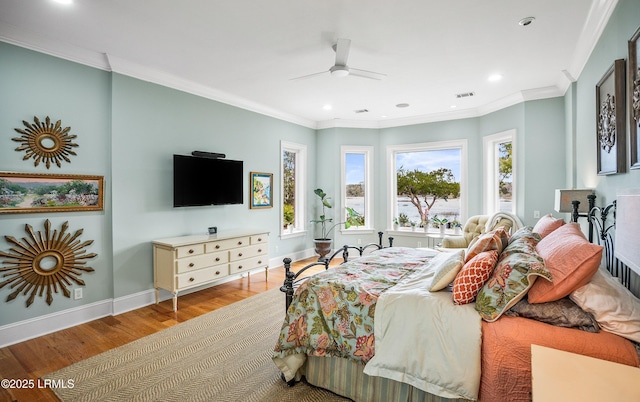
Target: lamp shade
564,200
628,228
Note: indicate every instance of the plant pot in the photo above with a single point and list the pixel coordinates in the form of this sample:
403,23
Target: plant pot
442,228
323,247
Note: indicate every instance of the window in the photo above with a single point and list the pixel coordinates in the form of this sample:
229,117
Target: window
357,187
429,181
499,172
294,160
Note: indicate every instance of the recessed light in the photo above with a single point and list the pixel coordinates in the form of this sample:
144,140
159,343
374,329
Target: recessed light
401,105
65,2
327,107
453,106
495,77
526,21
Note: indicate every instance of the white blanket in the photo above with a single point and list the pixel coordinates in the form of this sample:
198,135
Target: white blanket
423,339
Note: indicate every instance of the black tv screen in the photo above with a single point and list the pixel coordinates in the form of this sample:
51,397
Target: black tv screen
206,181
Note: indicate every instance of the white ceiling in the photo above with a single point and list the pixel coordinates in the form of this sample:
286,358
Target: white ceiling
245,52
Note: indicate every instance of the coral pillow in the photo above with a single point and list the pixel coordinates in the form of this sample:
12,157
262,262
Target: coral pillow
547,224
570,258
494,240
472,276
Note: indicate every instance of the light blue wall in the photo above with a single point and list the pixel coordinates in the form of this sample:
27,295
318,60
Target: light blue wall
33,84
611,46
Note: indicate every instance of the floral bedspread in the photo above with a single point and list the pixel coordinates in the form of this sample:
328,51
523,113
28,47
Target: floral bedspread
332,312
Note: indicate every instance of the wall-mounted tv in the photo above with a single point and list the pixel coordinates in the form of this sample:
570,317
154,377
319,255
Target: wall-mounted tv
206,181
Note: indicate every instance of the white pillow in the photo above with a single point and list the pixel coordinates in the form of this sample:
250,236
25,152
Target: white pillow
446,267
615,308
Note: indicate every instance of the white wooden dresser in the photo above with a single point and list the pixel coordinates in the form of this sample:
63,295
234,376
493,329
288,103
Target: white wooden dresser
181,263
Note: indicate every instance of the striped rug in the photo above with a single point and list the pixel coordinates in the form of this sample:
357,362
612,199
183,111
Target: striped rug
224,355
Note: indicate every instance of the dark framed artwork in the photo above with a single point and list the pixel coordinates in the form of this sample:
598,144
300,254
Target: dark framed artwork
634,100
261,190
42,192
610,120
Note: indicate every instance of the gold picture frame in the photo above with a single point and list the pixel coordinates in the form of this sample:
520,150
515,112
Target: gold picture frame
261,190
43,192
610,120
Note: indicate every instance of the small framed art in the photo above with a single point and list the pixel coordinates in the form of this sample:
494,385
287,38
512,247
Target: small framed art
261,190
610,120
42,192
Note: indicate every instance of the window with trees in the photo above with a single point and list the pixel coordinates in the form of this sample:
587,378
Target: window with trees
429,181
294,159
499,172
357,188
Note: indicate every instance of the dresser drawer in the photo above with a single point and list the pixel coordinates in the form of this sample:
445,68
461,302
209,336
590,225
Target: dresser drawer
186,251
247,264
259,239
227,244
247,252
194,278
201,261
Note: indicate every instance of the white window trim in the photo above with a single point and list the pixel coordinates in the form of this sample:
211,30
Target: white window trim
490,169
392,179
300,227
368,177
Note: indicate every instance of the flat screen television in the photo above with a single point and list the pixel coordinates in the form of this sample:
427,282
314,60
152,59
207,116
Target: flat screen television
206,181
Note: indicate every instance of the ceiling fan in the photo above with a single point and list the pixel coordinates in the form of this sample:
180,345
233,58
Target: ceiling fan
340,68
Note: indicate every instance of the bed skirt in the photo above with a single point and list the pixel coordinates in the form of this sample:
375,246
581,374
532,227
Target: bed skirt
345,377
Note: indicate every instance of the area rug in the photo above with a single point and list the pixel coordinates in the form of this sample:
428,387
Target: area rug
224,355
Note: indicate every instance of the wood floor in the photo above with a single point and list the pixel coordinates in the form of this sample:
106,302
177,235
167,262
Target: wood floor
34,358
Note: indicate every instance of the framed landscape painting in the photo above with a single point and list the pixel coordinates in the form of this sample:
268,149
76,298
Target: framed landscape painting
261,190
41,192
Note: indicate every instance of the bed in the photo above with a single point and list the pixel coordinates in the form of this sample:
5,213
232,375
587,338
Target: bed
413,325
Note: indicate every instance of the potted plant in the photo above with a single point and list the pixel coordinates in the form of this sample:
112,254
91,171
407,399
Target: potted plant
403,220
323,243
457,227
413,225
288,217
396,223
440,223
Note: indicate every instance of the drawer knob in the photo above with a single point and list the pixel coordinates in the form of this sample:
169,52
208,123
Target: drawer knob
240,242
217,272
239,254
259,250
191,279
217,246
190,251
217,259
239,266
191,264
260,262
259,238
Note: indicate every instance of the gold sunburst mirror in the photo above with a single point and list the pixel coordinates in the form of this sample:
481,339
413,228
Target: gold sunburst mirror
45,261
45,142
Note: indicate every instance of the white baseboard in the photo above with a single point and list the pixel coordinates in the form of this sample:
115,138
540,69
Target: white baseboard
34,327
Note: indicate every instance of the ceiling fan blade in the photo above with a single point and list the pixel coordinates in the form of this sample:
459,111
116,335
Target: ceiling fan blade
342,51
308,76
366,74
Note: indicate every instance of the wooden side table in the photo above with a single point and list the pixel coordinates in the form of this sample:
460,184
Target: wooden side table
565,377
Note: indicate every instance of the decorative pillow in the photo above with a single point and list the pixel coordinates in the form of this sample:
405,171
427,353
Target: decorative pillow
547,224
517,270
570,258
525,231
615,308
446,267
496,239
561,313
472,276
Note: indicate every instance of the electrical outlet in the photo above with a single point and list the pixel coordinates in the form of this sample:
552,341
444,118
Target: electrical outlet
419,244
77,293
276,249
536,214
359,241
